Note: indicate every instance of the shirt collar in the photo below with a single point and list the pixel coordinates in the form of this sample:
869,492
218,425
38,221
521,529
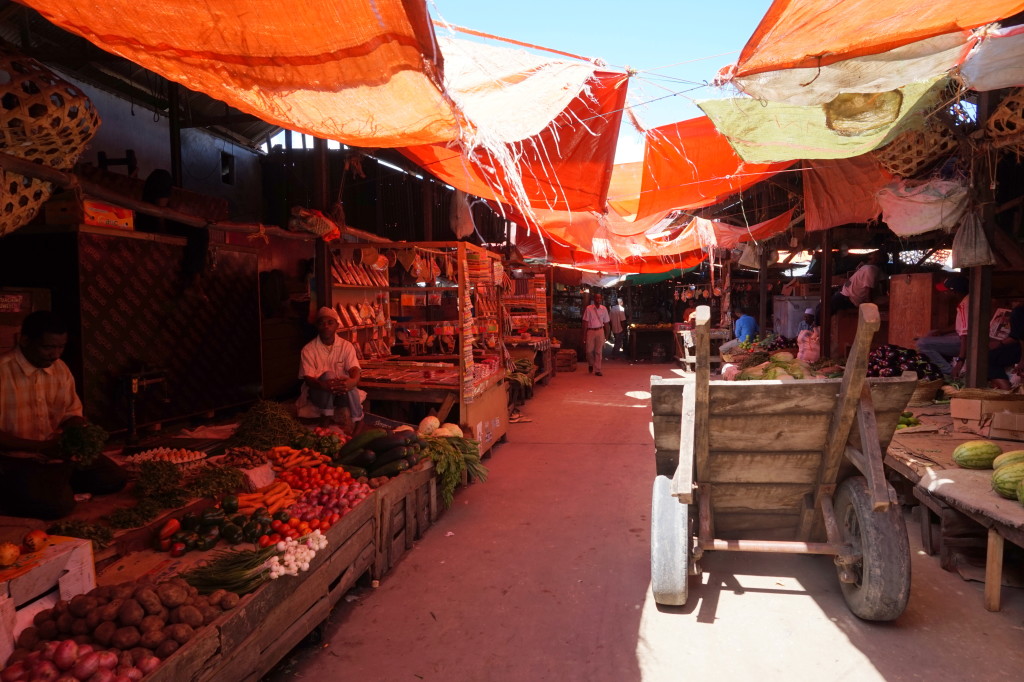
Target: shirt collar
27,367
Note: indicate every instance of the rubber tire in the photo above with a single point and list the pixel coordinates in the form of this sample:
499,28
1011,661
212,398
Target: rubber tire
670,545
883,586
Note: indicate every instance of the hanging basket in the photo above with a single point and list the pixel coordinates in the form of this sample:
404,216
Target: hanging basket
44,119
917,150
1005,127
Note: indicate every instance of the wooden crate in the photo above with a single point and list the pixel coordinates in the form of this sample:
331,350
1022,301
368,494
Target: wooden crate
61,570
407,506
247,642
565,360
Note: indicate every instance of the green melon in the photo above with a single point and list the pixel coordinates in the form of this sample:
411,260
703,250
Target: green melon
976,454
1011,457
1006,479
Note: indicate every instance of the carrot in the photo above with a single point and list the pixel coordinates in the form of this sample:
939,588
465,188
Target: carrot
277,506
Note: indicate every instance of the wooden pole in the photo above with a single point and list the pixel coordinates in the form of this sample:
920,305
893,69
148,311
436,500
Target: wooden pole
71,181
174,125
762,289
825,336
979,305
322,254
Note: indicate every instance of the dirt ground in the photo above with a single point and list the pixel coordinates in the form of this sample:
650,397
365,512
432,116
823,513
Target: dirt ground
542,573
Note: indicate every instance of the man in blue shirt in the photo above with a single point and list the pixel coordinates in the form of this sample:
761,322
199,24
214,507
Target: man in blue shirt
746,326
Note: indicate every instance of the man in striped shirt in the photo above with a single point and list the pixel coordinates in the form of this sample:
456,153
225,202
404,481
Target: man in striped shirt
37,400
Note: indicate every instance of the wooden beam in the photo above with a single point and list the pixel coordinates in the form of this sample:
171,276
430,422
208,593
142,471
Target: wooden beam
762,288
71,181
825,335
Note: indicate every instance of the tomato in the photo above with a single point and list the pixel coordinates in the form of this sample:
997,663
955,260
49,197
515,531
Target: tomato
263,541
294,521
324,527
178,549
274,539
334,518
314,524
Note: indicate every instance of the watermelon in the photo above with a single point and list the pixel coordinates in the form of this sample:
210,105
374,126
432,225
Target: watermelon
976,454
1011,457
1006,479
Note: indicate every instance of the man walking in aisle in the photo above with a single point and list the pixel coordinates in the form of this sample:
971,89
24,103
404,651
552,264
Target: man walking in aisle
618,318
595,322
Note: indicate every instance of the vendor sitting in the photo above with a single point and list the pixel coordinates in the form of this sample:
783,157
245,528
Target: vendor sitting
37,400
745,330
330,373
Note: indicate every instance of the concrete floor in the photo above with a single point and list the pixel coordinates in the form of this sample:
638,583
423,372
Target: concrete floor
542,573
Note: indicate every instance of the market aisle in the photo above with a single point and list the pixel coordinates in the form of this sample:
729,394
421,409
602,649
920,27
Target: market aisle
542,573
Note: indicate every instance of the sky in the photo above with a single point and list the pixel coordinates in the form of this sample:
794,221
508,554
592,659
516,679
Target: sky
676,45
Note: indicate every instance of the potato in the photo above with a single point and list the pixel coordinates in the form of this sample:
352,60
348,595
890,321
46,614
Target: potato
229,601
102,592
210,614
60,607
171,594
148,600
104,632
93,618
29,637
189,615
80,626
126,637
215,597
180,632
122,591
152,639
48,629
80,606
109,612
64,621
130,613
139,653
45,614
150,623
166,648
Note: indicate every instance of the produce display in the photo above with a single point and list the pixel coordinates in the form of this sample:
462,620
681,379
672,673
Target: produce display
892,361
113,633
906,420
179,456
283,458
99,534
1008,467
244,458
82,443
976,454
241,572
769,343
781,365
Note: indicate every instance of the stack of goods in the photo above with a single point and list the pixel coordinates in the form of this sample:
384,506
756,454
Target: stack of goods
180,456
350,273
892,361
112,633
453,454
1008,467
565,360
779,366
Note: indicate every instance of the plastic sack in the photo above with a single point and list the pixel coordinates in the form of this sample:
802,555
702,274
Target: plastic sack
970,247
809,346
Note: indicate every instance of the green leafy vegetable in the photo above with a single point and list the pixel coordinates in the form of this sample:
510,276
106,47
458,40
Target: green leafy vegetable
82,443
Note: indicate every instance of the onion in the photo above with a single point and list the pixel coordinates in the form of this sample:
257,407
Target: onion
148,664
84,649
102,675
64,655
86,666
130,673
14,672
108,659
45,671
50,648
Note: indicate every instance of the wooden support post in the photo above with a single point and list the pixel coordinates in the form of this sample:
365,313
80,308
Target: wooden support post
702,338
993,570
873,469
174,126
979,306
427,189
762,289
682,480
322,254
825,336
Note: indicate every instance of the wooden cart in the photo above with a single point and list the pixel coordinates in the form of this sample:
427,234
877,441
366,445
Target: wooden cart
781,466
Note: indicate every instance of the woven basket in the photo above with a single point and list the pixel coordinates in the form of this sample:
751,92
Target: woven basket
44,119
980,393
925,392
1005,127
917,150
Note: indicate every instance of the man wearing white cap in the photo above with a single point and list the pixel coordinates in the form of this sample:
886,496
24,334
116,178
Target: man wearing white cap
330,373
808,322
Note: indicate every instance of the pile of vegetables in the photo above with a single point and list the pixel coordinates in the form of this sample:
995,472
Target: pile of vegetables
782,366
100,535
892,361
265,425
907,419
113,633
1007,467
82,443
769,343
241,572
321,440
380,454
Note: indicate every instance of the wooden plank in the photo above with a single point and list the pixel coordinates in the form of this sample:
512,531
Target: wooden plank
362,564
873,471
745,433
854,377
667,395
666,462
666,431
808,396
682,478
191,660
287,640
410,519
993,570
702,333
763,467
890,398
764,497
733,525
446,407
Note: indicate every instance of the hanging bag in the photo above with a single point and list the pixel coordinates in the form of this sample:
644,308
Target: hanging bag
970,247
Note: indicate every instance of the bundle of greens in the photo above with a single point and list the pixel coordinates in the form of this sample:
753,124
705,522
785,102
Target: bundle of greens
101,536
326,444
214,481
452,456
82,443
267,424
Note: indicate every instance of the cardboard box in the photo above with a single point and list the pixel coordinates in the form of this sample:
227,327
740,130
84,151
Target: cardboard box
977,416
66,209
1007,426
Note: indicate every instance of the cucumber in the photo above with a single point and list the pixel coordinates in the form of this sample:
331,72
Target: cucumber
391,455
365,459
356,472
414,456
359,441
352,456
390,469
388,442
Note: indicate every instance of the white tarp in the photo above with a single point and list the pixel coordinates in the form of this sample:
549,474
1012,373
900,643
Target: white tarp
910,207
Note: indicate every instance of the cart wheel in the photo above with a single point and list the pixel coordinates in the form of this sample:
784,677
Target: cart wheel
670,544
882,585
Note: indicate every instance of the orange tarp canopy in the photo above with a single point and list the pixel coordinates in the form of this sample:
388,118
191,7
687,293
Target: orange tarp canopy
534,245
566,166
690,165
814,33
361,73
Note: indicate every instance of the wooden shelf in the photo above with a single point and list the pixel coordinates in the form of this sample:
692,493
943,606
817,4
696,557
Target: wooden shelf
339,285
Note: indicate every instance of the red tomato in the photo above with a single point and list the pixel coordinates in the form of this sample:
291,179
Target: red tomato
294,521
274,539
314,524
263,541
276,525
333,519
324,527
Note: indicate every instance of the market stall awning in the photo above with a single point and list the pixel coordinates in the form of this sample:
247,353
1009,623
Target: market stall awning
366,74
842,191
807,51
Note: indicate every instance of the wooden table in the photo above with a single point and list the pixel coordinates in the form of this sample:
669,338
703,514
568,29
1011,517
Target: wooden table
644,336
923,456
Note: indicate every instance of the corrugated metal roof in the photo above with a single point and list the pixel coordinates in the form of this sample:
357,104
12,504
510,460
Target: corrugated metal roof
24,30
